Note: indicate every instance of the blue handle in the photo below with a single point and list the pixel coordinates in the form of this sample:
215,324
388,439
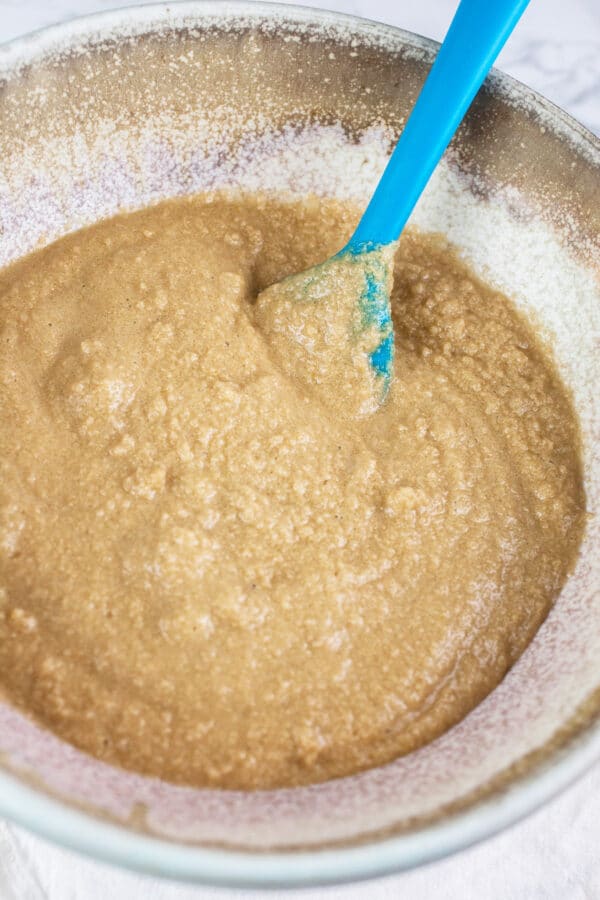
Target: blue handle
478,32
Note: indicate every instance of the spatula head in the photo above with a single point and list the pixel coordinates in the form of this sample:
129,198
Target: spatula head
330,328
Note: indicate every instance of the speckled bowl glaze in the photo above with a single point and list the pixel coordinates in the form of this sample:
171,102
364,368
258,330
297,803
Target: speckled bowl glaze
125,108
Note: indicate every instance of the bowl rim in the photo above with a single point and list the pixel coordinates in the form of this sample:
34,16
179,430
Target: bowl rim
374,857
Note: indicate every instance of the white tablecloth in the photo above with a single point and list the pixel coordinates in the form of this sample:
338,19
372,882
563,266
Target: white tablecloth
555,854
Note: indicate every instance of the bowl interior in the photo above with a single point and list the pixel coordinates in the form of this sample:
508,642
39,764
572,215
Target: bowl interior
131,107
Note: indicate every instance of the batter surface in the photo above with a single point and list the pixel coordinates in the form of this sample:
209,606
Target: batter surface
210,573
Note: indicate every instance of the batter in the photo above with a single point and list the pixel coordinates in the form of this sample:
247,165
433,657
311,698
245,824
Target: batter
212,574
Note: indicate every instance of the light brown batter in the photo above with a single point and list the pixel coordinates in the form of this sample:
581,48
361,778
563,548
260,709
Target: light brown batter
209,574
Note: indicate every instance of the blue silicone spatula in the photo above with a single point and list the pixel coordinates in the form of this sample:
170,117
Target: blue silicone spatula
475,37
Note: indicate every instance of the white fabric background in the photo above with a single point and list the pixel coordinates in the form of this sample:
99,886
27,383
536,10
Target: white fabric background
555,854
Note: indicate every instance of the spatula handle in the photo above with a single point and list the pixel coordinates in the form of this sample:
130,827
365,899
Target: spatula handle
478,32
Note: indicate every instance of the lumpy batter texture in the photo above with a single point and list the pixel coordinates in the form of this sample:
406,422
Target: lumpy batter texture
212,573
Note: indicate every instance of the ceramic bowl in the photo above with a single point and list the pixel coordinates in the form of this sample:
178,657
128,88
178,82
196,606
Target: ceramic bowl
122,109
